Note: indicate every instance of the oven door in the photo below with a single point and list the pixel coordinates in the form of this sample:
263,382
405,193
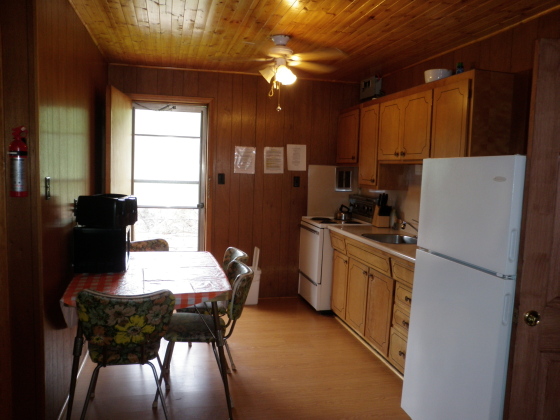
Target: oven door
311,252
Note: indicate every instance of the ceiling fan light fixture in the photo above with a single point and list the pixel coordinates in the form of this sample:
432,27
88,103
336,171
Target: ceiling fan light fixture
285,76
268,73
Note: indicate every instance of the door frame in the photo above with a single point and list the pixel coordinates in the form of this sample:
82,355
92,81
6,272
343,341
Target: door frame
535,356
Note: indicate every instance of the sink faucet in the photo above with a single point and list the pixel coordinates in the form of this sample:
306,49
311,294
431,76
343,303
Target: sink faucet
404,224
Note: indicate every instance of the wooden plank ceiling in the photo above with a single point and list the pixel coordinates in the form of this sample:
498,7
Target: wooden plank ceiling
376,36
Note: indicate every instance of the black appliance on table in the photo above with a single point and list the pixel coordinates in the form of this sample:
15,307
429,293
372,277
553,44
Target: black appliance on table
102,234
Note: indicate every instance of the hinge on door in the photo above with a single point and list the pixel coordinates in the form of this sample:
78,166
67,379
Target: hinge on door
515,316
200,206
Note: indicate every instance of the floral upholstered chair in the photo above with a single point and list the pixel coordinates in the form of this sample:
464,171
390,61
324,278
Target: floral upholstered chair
123,330
232,254
196,328
149,245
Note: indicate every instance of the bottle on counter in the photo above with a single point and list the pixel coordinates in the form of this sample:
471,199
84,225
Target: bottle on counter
460,68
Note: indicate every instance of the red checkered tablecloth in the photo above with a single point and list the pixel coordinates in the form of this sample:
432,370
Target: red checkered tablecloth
193,277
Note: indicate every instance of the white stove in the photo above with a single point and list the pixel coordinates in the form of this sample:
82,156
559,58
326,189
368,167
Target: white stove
316,252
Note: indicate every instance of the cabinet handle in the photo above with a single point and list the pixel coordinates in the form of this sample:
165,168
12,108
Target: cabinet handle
372,180
403,153
402,354
405,324
396,153
407,299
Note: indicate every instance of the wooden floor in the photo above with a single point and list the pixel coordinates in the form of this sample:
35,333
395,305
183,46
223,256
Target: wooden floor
293,364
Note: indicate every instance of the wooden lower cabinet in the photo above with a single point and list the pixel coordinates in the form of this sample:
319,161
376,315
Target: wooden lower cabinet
397,350
340,284
372,293
378,312
400,323
356,295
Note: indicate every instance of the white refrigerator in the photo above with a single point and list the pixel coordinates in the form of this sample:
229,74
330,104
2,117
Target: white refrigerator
464,285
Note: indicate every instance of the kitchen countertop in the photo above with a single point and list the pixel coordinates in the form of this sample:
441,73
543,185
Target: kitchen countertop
406,252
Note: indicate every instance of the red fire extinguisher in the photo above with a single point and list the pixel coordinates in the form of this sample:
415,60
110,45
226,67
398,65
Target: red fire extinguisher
18,163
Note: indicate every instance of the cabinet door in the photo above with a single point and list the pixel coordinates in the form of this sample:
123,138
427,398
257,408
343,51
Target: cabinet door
450,120
340,277
397,350
348,132
416,126
389,125
356,295
378,316
369,126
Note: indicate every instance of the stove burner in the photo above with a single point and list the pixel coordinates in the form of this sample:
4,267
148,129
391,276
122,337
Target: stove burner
321,219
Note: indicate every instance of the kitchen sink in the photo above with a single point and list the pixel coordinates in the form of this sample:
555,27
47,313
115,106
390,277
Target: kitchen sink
391,238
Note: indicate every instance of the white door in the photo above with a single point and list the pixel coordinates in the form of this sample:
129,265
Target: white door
169,173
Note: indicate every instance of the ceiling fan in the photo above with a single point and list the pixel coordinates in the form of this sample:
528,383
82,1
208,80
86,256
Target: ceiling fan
281,57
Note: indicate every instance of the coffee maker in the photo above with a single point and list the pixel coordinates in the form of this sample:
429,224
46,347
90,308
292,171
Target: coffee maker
101,237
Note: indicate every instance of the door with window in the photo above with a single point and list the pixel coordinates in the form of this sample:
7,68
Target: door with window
169,151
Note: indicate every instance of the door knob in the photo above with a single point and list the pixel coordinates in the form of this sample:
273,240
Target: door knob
532,318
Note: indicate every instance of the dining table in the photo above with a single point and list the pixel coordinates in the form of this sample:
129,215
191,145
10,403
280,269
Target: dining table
193,277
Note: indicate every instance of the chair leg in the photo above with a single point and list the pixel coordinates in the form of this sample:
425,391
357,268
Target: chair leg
92,384
159,392
230,358
164,371
92,395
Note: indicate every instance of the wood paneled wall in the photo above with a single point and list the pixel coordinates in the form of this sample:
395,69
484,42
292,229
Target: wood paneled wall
54,84
511,51
71,83
261,210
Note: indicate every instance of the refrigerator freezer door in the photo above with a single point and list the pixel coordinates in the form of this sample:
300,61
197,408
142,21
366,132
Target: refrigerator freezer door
470,210
458,342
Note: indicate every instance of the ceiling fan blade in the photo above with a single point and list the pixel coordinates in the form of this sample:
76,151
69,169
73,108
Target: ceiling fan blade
325,54
312,67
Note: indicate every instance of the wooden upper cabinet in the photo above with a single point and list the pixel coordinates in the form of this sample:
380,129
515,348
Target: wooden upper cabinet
348,136
473,115
390,114
450,120
369,127
417,126
405,127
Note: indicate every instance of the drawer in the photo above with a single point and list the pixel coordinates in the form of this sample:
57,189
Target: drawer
401,320
403,295
370,256
397,350
337,242
402,271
